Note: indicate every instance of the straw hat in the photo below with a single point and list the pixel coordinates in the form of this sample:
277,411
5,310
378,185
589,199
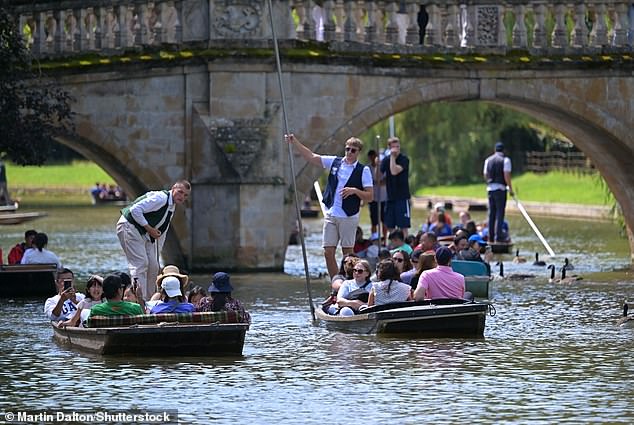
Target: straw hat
171,271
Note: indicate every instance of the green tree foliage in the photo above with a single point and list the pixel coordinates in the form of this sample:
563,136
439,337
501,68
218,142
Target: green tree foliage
32,111
448,142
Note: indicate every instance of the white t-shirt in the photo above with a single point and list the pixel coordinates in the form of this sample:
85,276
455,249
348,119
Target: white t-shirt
343,174
35,256
68,308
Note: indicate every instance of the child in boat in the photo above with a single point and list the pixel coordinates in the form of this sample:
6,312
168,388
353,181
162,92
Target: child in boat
389,289
172,300
94,296
220,297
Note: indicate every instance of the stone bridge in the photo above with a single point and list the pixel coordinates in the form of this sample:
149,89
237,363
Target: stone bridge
176,89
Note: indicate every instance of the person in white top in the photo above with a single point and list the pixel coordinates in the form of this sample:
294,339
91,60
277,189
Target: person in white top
63,305
349,183
389,289
38,254
141,231
94,296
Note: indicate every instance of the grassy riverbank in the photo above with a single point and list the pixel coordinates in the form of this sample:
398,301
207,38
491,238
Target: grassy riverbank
75,180
557,187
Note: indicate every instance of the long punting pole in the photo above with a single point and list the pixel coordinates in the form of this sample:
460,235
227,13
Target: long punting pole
534,227
290,156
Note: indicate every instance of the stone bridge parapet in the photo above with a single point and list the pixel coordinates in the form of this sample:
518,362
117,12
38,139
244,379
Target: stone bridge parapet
542,27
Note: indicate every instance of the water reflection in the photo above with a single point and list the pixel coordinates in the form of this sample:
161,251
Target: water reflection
551,354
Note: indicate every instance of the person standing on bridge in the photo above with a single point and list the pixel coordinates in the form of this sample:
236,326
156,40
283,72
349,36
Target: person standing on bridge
142,228
497,173
395,167
349,182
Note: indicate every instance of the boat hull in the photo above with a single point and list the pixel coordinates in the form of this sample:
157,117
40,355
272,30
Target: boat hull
426,320
18,218
208,339
501,247
28,280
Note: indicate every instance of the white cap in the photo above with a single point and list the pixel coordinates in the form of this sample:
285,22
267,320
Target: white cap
440,206
172,286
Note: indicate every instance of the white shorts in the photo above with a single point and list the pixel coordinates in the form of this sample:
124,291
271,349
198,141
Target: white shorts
338,229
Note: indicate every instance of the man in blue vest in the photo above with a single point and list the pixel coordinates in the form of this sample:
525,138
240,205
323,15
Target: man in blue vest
497,173
349,182
141,231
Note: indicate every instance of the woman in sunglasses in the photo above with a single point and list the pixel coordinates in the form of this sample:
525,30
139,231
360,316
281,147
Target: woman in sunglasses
402,261
353,293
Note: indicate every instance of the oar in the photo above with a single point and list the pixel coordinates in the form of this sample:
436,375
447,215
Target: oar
290,156
320,197
533,226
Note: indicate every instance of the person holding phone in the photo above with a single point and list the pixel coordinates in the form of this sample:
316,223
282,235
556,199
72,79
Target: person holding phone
63,305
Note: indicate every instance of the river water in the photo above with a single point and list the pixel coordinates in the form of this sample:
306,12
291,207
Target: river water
551,354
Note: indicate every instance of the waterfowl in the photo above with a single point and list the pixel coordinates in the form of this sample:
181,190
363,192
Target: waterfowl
567,265
625,320
552,279
568,279
537,261
517,258
514,276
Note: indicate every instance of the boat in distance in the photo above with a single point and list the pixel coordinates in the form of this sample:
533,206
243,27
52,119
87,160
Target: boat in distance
28,280
445,317
188,334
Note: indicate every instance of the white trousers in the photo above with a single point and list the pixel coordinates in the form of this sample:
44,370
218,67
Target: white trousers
142,256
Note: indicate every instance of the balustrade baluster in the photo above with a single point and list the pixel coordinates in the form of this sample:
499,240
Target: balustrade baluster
71,31
379,21
177,8
432,32
520,35
308,25
599,33
330,29
391,30
59,38
142,35
539,27
452,30
99,28
412,36
470,38
370,28
560,35
121,35
340,18
619,25
81,40
579,37
350,27
501,35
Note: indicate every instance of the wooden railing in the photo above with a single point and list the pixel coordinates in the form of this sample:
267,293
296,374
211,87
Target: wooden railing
542,162
539,26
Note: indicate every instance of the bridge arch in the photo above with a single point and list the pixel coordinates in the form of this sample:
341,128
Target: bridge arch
602,136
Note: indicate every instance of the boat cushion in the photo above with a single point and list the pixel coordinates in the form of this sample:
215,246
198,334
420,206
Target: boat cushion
147,319
469,268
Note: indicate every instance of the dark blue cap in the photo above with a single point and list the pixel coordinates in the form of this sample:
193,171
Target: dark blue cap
499,147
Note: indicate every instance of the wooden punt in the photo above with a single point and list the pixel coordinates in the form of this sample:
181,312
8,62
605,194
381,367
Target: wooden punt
477,277
18,218
187,334
190,339
28,280
429,318
9,207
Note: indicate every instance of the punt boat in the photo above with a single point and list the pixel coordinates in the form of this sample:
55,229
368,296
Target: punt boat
18,218
428,318
188,334
476,275
28,280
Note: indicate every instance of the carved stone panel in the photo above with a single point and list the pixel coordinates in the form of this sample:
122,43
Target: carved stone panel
487,25
236,19
240,141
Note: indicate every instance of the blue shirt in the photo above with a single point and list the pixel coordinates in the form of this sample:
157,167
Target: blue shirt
172,306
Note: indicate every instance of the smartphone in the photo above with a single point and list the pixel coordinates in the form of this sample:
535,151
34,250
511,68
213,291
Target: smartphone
67,284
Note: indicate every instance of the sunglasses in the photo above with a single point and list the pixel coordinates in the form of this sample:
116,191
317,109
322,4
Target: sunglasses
351,150
398,259
358,270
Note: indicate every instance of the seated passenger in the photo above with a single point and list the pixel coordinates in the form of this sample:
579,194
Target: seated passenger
115,306
442,281
473,251
406,275
169,271
388,289
17,252
94,296
38,254
401,261
63,305
440,227
426,261
460,243
353,294
360,244
345,271
196,294
172,300
397,242
220,297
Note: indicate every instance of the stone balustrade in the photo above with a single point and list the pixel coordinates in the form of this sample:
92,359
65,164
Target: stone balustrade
53,28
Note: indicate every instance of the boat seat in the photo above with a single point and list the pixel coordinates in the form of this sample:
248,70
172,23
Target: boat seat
436,301
469,268
148,319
